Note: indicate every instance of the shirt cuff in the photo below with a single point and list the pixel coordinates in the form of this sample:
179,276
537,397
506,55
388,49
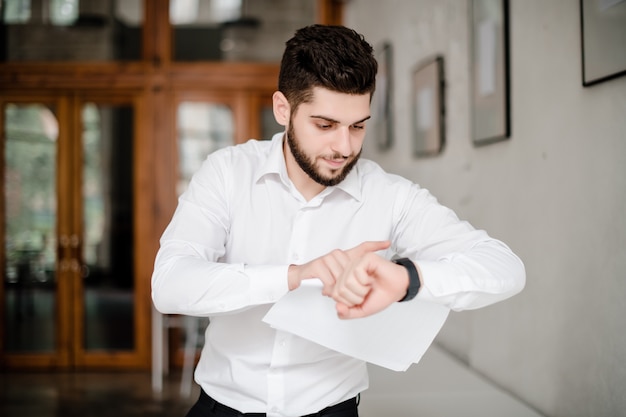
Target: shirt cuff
268,283
439,279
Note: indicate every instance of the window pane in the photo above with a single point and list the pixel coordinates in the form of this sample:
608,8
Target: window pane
108,273
63,12
71,30
236,30
30,215
201,129
16,11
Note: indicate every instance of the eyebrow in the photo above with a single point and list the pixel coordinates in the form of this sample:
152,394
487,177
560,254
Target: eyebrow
331,120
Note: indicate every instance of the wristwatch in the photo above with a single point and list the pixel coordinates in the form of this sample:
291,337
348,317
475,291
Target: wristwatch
414,278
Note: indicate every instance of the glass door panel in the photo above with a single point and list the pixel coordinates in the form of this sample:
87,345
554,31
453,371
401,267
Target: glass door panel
202,127
107,207
30,222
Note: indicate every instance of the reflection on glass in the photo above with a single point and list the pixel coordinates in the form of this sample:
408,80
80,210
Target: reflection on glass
107,140
201,129
70,30
30,214
236,30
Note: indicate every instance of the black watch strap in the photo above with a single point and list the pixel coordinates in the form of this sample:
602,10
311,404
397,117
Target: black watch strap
414,278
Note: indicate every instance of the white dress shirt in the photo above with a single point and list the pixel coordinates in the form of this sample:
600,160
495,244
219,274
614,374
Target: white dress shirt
241,223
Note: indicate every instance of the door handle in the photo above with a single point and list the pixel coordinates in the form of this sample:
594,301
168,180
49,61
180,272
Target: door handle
69,254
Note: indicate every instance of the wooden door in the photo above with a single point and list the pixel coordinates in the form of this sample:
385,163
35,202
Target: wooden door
72,296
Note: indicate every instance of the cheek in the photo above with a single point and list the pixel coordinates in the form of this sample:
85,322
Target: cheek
310,138
306,132
357,139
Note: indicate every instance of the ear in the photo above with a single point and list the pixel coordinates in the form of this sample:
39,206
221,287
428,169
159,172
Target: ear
281,108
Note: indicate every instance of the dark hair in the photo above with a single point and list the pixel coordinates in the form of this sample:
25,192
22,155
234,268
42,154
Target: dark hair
333,57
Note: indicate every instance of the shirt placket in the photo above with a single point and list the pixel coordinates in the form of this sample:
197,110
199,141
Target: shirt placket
276,384
277,380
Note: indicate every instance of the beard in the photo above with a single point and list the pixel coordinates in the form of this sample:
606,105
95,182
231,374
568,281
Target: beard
307,163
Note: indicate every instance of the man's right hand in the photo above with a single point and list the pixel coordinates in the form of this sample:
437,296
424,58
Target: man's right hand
328,268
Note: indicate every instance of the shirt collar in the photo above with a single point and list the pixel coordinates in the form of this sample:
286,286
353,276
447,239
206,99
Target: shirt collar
352,183
275,164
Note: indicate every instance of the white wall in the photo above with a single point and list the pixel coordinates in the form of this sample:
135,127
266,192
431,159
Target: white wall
555,192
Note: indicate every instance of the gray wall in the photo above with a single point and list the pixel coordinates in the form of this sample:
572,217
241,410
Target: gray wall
555,192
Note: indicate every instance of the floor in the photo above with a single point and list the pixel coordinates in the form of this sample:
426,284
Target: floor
439,386
89,395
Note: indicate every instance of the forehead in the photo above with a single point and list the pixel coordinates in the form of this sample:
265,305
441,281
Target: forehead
345,108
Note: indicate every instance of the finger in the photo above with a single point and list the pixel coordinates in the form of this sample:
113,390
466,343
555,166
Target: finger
343,312
350,297
337,262
350,291
346,313
328,283
334,265
355,289
368,246
362,276
375,302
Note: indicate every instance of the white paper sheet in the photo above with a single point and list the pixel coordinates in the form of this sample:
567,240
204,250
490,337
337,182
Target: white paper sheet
394,338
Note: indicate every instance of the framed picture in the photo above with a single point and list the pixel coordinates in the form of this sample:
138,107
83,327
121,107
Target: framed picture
490,86
381,122
428,108
603,32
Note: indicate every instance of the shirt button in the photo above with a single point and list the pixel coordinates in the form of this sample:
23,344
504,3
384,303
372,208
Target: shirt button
295,257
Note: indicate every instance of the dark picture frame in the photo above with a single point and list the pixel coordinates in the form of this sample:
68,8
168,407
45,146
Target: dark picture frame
381,122
428,107
490,78
603,40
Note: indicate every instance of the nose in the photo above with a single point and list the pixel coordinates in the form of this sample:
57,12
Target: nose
342,143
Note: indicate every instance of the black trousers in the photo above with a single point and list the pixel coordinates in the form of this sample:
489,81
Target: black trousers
208,407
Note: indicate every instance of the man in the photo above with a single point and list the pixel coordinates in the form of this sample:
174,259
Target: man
260,218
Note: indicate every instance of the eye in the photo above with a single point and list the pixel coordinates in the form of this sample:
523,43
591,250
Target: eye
324,124
358,126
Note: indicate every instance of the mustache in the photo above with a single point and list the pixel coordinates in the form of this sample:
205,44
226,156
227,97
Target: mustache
336,156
